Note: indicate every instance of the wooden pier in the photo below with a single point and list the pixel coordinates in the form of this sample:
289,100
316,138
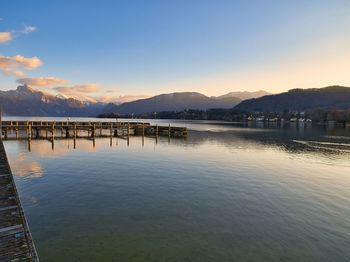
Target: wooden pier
16,242
72,129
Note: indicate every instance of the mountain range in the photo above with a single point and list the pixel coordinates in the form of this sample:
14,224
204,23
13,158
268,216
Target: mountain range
27,101
243,95
300,100
173,102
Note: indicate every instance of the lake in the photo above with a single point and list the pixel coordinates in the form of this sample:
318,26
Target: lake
229,192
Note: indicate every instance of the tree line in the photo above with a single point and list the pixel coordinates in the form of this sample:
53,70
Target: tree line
316,115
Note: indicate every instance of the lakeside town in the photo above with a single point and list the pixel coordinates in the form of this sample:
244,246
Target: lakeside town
318,116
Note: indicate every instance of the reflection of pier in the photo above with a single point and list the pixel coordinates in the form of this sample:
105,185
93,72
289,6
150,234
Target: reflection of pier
16,243
52,130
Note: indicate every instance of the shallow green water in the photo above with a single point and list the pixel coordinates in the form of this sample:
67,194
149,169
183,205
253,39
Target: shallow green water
228,194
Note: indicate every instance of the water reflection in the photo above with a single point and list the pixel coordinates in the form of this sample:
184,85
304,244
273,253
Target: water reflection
22,166
327,143
228,194
294,138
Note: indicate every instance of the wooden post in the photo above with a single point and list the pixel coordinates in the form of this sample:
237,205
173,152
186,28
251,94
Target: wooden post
93,131
0,124
11,128
128,131
53,132
143,130
75,134
32,124
17,130
5,130
169,130
111,129
67,132
100,128
29,131
157,130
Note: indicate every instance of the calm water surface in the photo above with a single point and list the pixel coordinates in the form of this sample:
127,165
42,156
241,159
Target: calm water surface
226,193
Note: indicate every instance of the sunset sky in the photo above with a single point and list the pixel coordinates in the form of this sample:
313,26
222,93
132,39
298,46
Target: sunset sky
131,49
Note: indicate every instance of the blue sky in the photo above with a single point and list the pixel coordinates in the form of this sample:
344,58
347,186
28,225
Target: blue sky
138,48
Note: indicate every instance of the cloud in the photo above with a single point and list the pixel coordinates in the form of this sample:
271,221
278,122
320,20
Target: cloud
19,73
112,98
89,88
9,64
5,37
19,61
42,81
118,99
28,29
113,91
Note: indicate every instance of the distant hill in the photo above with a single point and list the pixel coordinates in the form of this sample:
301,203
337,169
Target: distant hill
243,95
172,102
301,100
26,101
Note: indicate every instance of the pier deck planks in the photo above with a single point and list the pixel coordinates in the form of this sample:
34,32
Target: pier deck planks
16,243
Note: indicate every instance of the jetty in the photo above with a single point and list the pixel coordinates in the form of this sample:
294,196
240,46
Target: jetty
16,242
88,129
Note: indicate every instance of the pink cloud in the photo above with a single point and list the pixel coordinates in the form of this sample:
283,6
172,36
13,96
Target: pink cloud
113,91
9,64
19,73
5,37
118,99
89,88
42,81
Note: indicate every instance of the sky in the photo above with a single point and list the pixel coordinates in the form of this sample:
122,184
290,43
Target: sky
124,50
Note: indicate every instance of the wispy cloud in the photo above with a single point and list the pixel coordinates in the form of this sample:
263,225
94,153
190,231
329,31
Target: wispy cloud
5,37
28,29
118,99
42,81
19,73
113,91
8,64
88,88
90,92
